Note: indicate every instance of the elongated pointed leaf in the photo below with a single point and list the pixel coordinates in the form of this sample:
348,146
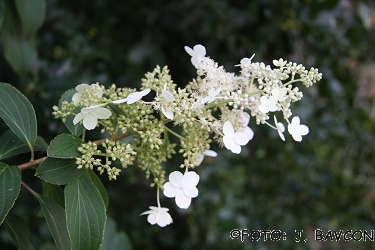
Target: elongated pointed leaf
54,192
85,213
58,171
19,231
56,221
11,145
74,129
64,146
10,185
32,14
114,240
18,114
99,185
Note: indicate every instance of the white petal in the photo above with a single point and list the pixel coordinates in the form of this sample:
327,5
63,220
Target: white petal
120,101
228,142
90,121
303,130
99,92
191,192
190,179
81,88
78,118
76,98
102,113
236,148
211,153
206,99
241,138
228,128
246,118
170,191
194,60
151,218
291,129
189,51
145,92
280,127
296,120
200,159
200,50
167,95
163,219
264,109
249,132
175,178
273,108
272,101
182,200
167,113
264,100
281,134
217,91
297,137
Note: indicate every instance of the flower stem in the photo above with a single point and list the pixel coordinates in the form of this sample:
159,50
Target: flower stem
157,197
174,133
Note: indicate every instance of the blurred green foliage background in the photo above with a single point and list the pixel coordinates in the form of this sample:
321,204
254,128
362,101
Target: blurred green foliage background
327,181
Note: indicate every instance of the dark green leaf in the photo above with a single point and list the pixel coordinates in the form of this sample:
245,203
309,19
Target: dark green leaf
99,185
74,129
20,54
115,108
114,240
10,185
32,14
64,146
19,231
58,171
18,113
11,145
54,192
56,221
1,13
85,212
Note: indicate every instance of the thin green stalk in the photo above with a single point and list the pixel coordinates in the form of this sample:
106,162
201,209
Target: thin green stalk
174,133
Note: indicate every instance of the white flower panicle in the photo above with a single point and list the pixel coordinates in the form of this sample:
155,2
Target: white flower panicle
216,106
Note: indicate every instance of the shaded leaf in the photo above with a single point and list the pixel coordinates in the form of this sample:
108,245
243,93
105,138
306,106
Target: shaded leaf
18,113
85,212
114,240
64,146
19,231
1,13
99,185
56,221
58,171
11,145
10,185
32,14
54,192
74,129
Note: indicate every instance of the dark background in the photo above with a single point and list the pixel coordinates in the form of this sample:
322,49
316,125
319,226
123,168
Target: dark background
327,181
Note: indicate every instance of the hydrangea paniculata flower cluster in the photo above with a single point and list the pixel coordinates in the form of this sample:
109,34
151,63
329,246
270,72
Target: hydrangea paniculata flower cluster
216,106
